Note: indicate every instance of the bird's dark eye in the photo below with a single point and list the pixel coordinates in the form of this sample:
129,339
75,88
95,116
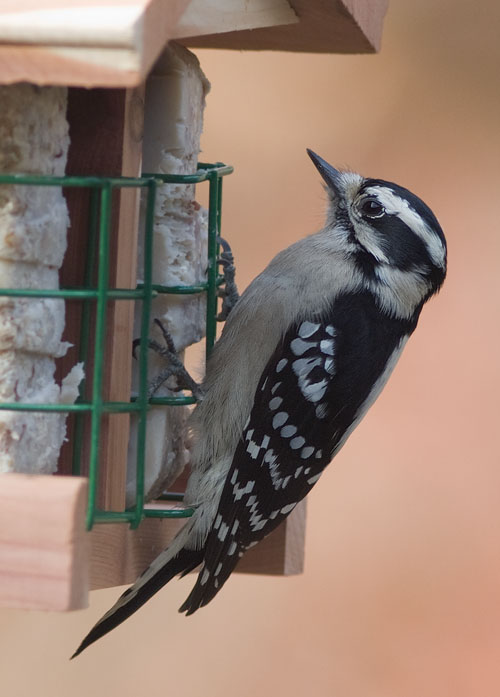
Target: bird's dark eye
372,208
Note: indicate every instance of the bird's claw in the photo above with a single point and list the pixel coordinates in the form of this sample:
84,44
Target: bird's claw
175,367
228,291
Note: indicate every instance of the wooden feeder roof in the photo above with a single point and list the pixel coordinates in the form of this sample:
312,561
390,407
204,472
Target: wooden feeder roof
88,43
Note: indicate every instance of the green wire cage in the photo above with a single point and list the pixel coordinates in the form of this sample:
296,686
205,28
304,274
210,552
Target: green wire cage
97,293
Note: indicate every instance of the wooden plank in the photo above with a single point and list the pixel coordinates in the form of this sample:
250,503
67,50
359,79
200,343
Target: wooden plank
116,43
73,66
325,26
282,552
43,544
106,139
91,44
119,554
63,23
217,16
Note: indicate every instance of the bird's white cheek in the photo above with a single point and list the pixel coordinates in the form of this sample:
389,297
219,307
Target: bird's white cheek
367,237
398,292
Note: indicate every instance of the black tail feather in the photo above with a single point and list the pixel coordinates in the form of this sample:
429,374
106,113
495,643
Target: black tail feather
208,584
182,563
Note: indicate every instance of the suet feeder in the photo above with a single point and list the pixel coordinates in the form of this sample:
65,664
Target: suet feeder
91,250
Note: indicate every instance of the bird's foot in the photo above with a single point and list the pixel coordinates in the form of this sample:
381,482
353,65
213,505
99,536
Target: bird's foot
228,291
175,367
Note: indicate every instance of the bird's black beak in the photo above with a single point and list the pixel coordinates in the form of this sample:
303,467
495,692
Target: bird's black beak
329,173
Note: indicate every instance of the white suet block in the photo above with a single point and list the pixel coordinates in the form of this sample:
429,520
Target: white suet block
33,223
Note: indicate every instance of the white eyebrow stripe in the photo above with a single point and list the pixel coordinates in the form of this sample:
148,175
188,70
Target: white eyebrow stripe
395,205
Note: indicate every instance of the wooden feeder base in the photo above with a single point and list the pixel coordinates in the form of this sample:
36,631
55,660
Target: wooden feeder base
49,562
44,550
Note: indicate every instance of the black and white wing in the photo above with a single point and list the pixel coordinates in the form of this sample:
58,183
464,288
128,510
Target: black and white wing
316,387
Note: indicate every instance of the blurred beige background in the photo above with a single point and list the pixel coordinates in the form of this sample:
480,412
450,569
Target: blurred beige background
401,592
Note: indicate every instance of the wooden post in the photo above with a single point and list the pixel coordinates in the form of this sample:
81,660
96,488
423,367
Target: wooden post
106,140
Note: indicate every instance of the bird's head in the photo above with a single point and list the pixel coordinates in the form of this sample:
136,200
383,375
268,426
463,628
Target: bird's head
393,236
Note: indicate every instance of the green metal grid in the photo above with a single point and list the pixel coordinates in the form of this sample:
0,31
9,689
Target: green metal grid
99,226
